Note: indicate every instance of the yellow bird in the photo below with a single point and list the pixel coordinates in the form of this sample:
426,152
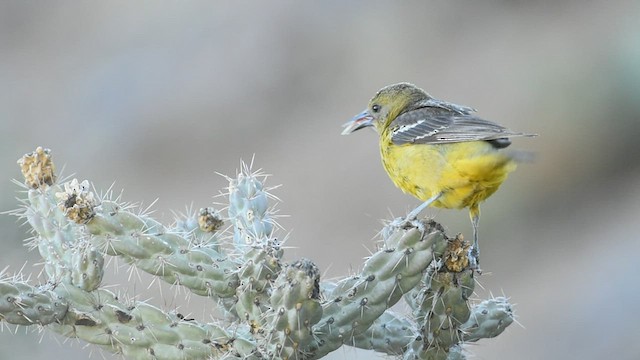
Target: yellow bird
437,151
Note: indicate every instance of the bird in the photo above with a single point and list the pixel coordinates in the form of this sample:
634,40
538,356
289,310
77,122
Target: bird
437,151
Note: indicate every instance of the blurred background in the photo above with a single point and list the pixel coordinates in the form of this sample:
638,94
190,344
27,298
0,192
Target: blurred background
159,97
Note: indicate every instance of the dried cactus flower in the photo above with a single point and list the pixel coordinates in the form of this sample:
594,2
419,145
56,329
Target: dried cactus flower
37,168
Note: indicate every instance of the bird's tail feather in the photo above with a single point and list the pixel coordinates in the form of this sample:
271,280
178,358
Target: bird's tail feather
522,156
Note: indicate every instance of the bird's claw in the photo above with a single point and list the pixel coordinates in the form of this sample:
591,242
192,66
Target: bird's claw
474,260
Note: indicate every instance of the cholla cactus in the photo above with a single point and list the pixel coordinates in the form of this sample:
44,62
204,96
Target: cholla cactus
269,309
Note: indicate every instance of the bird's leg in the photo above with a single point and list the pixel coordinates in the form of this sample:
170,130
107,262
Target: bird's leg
474,258
413,215
409,220
415,212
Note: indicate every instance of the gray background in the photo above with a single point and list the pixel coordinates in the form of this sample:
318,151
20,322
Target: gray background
158,97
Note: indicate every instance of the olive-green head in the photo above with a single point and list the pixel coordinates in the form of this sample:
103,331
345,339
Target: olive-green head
385,106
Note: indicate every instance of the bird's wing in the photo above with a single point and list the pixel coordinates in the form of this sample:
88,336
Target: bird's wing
445,105
440,125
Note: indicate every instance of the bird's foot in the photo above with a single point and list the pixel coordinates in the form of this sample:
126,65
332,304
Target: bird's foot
406,222
474,260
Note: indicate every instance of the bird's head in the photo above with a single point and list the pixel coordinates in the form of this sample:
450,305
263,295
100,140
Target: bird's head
385,106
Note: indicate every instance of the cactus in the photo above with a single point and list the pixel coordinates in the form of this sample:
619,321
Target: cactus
270,309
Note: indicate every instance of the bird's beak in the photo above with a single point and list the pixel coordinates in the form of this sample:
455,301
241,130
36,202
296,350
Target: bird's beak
362,120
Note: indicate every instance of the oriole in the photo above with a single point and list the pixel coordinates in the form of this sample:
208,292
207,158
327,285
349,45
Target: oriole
437,151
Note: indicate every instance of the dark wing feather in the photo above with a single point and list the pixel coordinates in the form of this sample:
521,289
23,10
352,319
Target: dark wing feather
441,104
441,125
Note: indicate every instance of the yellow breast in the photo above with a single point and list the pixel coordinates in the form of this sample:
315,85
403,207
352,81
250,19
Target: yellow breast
466,173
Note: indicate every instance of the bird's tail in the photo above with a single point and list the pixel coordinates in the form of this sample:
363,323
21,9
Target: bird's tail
522,156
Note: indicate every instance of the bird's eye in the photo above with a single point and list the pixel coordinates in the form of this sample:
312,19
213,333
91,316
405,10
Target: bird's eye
375,108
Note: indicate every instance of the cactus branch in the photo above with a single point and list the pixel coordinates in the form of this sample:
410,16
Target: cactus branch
273,309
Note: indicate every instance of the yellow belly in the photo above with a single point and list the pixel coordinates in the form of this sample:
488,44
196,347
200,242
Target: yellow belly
464,173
